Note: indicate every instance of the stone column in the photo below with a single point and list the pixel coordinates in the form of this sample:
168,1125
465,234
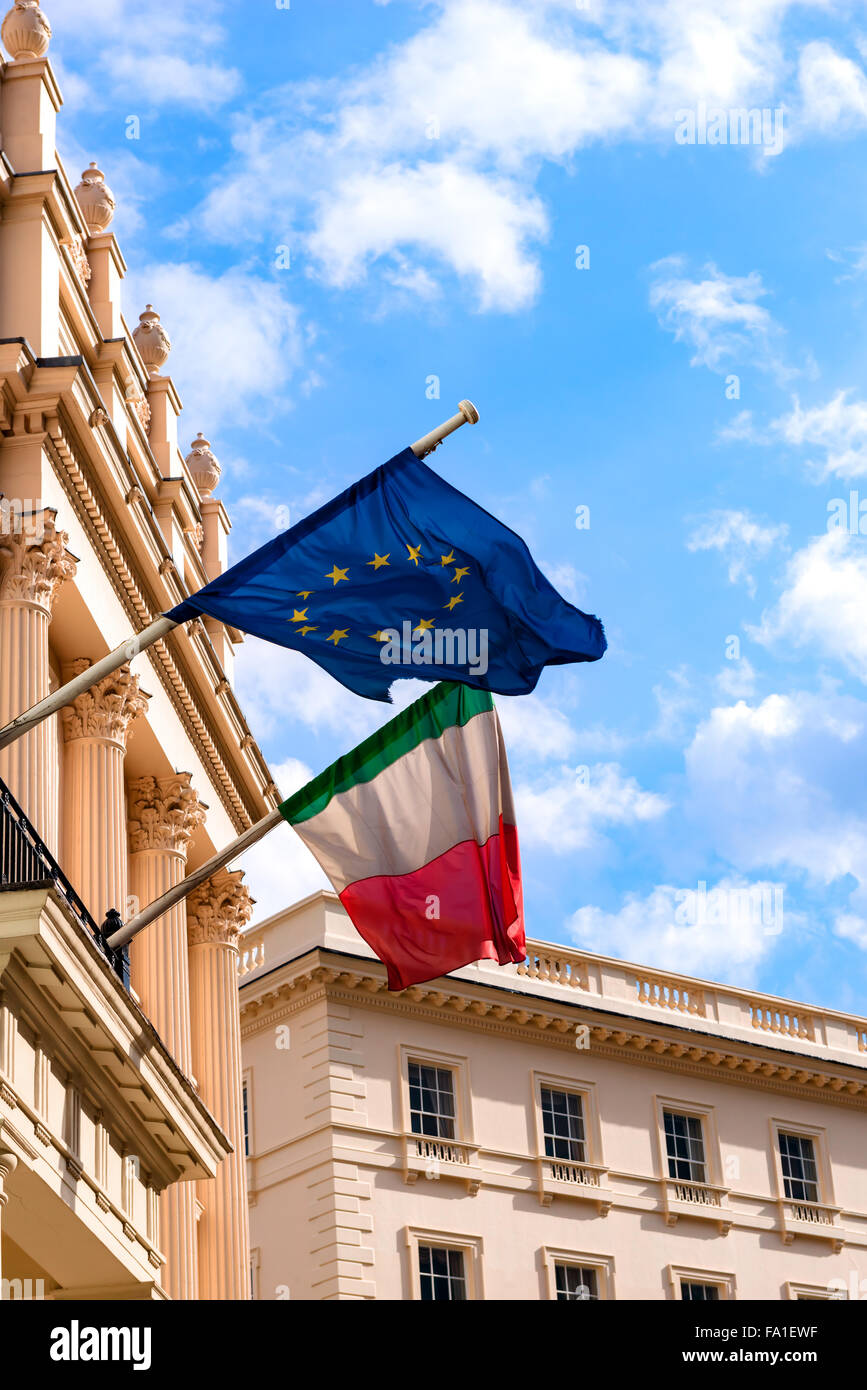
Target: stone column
164,814
216,913
96,727
34,562
8,1164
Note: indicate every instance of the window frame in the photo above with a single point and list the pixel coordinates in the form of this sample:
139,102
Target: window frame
586,1092
720,1279
602,1266
247,1112
710,1138
471,1247
819,1136
459,1066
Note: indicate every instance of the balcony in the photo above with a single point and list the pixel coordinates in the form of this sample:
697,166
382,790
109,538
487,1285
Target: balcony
26,863
433,1159
704,1200
811,1219
563,1177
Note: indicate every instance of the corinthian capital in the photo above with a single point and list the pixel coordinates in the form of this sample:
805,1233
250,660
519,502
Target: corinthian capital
164,813
107,709
218,911
34,560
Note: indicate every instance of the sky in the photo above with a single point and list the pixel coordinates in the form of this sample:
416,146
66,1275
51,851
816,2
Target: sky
635,235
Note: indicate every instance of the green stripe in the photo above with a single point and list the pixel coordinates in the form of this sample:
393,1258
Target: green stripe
444,707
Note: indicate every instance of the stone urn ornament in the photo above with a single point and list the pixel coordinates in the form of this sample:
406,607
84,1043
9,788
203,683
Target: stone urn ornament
203,466
152,340
96,200
26,32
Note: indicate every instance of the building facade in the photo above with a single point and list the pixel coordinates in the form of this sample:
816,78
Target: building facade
575,1127
121,1172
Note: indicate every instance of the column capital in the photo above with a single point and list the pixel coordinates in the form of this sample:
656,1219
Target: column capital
107,709
219,910
164,813
34,559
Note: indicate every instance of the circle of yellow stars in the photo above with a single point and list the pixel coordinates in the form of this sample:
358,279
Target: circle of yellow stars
338,575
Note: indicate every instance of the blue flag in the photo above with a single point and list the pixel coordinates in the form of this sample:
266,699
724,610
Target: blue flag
402,575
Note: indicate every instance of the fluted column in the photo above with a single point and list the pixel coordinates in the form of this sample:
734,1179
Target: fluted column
34,562
164,814
8,1164
96,727
216,913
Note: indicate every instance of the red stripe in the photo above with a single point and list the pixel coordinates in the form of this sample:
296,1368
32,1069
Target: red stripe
462,907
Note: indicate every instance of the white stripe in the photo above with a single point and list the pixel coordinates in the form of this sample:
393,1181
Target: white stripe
443,792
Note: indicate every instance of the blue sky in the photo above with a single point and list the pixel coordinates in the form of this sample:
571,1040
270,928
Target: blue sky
430,169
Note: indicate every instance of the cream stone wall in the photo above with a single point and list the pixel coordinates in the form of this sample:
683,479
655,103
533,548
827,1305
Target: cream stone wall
342,1192
107,522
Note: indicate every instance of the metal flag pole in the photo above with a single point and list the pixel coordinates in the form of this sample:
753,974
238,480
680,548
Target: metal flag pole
97,672
174,895
467,415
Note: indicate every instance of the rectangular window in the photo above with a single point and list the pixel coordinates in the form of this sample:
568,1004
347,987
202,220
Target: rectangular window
691,1291
441,1274
432,1101
800,1175
246,1105
575,1282
685,1147
563,1125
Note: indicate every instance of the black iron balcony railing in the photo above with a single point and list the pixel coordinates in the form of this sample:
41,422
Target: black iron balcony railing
25,862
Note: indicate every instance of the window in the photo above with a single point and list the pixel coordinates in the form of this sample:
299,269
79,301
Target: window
576,1282
563,1125
800,1174
684,1146
573,1275
441,1274
701,1285
691,1291
431,1101
246,1105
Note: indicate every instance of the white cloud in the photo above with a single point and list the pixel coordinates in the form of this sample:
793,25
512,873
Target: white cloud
838,428
118,48
823,605
736,680
478,226
854,257
280,869
533,727
425,163
739,538
567,581
564,812
718,316
779,785
278,686
236,341
833,90
729,946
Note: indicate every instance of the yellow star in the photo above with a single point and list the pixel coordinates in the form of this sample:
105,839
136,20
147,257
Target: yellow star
337,574
378,560
299,616
453,602
414,553
459,574
303,631
306,593
447,559
378,637
338,635
423,624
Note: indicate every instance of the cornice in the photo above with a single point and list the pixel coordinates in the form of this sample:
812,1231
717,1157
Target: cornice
503,1014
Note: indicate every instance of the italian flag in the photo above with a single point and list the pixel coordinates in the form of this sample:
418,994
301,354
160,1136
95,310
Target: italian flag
416,830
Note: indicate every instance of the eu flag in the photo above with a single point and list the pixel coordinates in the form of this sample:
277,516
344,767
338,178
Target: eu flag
402,575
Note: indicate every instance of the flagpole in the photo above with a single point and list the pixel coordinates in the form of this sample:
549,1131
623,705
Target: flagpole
467,415
133,646
174,895
91,676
